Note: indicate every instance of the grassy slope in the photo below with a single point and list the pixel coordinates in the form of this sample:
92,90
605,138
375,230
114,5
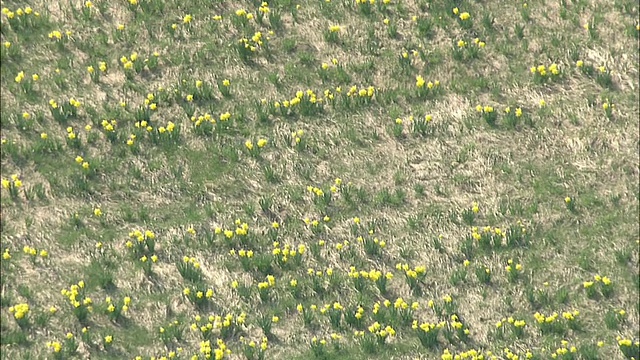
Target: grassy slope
414,189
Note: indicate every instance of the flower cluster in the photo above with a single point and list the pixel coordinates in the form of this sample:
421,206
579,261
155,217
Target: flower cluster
82,304
542,73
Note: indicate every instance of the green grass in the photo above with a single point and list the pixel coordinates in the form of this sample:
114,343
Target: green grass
330,180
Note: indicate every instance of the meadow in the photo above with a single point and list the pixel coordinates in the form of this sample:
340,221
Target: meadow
335,179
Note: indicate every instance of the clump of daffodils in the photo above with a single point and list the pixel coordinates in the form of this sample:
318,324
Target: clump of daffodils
13,185
109,128
601,285
248,47
240,234
206,121
462,51
413,276
366,6
491,238
517,326
426,89
288,253
572,319
481,44
511,354
116,309
550,324
360,96
488,114
629,348
254,350
542,73
223,327
602,74
306,102
242,18
190,269
131,64
264,8
198,295
428,333
513,270
33,253
298,139
608,108
20,312
144,242
463,18
55,346
82,304
59,36
360,278
67,110
264,288
169,129
376,335
564,351
332,34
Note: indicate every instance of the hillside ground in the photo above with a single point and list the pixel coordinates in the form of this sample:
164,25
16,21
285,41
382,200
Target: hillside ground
319,179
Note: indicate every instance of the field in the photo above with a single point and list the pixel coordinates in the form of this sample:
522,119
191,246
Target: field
339,179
